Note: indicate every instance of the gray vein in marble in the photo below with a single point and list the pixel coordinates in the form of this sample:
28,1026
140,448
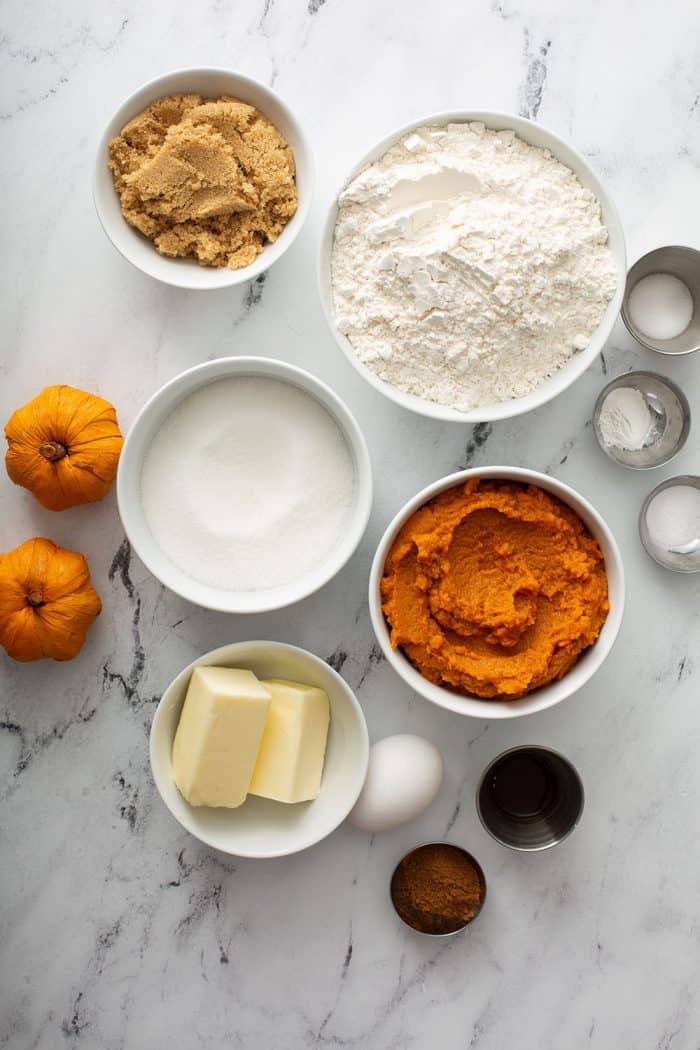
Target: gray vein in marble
454,815
480,434
478,1026
74,1026
403,987
28,56
200,902
81,1016
535,77
375,658
341,981
685,668
128,801
678,1024
565,450
337,659
32,745
62,80
255,292
498,7
129,682
570,445
268,35
368,662
267,7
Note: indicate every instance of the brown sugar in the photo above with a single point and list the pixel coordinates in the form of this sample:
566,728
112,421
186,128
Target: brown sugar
208,179
438,888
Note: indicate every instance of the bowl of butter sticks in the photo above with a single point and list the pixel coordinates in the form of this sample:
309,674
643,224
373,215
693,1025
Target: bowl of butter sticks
259,749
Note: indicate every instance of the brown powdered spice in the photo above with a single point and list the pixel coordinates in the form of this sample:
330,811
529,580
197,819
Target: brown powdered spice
438,888
209,179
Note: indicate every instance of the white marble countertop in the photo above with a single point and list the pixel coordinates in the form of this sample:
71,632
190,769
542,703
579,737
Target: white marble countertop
118,929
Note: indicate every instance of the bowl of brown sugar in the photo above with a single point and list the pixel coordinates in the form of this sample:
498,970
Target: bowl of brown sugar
438,889
203,178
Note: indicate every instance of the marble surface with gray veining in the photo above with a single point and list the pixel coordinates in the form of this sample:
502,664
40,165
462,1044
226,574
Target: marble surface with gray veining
118,930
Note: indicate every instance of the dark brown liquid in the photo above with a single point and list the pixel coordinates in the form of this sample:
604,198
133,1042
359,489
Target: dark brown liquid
522,786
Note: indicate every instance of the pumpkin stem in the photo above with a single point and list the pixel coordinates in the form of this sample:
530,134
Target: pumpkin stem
53,450
35,599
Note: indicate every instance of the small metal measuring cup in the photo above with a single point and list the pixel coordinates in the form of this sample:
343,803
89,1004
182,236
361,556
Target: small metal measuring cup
680,262
676,559
670,414
530,798
459,925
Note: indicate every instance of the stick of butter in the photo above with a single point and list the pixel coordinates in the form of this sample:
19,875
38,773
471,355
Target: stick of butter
290,760
218,736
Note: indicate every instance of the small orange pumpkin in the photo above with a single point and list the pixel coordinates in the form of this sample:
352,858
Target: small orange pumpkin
47,602
64,447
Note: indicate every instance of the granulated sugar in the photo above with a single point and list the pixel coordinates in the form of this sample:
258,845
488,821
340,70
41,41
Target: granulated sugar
248,484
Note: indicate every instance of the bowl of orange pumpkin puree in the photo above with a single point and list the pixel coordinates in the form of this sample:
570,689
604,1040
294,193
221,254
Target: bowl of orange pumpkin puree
497,592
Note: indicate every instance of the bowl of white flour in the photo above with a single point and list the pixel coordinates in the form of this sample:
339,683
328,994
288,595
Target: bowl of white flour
472,266
244,484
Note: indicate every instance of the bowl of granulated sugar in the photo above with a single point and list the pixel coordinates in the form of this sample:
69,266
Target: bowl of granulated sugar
244,484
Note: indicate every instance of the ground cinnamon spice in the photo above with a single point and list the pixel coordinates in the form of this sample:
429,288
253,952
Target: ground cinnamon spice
438,888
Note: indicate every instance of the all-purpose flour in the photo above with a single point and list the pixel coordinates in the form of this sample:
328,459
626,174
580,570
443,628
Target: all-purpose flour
248,484
468,265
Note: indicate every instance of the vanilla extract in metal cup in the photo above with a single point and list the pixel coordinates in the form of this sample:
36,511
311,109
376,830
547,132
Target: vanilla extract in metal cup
530,798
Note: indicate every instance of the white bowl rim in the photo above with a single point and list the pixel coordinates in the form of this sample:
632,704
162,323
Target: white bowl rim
541,394
548,695
224,652
362,506
175,274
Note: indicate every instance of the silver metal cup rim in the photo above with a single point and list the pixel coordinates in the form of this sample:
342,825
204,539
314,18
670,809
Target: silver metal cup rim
546,845
678,479
624,313
618,381
473,860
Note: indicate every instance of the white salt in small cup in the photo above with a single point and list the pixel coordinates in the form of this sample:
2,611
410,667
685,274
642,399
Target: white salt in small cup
669,559
210,83
152,417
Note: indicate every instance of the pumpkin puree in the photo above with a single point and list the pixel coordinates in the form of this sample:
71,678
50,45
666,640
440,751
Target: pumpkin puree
494,589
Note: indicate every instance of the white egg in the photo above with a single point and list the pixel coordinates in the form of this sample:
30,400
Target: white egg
403,778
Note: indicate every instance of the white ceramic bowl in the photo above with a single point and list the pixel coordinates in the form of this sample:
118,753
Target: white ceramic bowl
261,827
149,421
211,83
548,695
576,365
